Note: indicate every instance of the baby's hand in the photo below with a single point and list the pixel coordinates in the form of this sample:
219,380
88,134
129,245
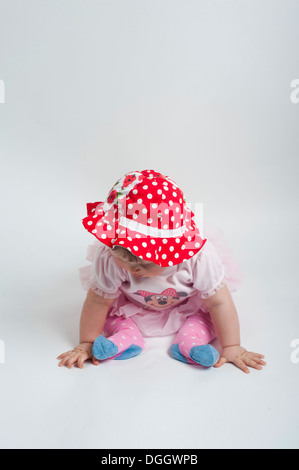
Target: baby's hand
241,358
78,355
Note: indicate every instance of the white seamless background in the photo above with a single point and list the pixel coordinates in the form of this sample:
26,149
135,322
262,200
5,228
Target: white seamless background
200,91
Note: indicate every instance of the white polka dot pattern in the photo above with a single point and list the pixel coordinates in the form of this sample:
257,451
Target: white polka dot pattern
158,225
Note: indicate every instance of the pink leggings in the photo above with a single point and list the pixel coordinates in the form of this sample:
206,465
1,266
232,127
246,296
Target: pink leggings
191,344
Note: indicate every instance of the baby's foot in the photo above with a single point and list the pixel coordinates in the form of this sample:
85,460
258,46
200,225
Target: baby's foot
176,353
132,351
205,355
104,348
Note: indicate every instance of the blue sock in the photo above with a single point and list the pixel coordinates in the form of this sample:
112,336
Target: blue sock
132,351
205,355
103,348
176,353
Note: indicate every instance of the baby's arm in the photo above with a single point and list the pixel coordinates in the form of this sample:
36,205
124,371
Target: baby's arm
93,317
226,322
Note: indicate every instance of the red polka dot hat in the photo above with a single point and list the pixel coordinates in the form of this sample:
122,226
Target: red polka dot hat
146,213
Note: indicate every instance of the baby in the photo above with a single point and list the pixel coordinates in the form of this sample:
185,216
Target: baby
153,275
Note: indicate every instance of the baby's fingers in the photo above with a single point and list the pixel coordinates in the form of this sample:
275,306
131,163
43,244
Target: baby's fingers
261,356
81,359
259,361
251,363
220,362
95,361
74,358
239,363
63,355
64,358
69,360
258,358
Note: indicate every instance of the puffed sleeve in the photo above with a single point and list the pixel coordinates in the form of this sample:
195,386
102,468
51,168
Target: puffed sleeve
208,271
103,276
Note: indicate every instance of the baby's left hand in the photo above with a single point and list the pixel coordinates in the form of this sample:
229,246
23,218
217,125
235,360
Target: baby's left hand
241,358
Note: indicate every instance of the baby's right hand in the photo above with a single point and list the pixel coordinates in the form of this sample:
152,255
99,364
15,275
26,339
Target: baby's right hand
78,355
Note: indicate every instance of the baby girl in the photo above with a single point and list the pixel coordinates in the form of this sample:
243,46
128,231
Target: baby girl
151,274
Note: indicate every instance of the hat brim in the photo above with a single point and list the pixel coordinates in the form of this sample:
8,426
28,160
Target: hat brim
164,252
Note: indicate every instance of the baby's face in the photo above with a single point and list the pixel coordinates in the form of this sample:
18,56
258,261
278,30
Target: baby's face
138,270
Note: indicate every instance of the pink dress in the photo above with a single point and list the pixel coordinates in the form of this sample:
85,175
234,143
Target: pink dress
159,305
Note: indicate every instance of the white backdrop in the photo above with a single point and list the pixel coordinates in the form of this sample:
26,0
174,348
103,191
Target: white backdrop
200,91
